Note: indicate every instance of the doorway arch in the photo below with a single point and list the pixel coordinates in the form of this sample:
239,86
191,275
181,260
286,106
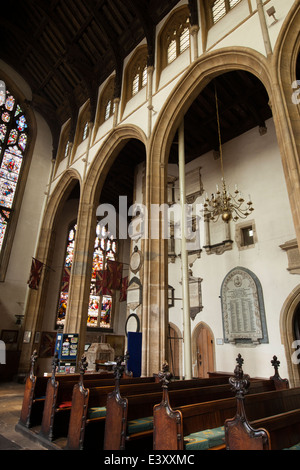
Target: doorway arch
203,350
288,315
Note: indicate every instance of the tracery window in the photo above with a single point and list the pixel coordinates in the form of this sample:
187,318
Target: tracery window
178,41
100,302
175,37
219,8
136,75
107,102
13,143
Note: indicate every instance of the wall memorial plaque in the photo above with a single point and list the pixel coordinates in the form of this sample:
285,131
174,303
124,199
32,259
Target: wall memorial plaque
242,307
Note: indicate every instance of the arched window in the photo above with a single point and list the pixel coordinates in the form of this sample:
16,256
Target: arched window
82,130
13,144
101,298
65,144
174,37
219,8
136,75
106,107
139,79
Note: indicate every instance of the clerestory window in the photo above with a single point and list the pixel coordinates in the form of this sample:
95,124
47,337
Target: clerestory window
219,8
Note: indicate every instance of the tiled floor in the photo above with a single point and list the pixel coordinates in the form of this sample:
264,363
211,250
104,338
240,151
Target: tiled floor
11,398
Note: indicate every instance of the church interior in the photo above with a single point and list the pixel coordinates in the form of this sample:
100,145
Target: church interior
150,220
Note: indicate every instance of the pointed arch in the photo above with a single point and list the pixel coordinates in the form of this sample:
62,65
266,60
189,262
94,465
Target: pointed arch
287,315
34,310
286,52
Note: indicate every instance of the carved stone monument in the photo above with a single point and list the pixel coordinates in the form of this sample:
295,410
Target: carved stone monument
241,307
99,352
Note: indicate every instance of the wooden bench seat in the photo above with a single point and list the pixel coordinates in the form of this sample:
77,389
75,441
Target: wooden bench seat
190,426
36,389
277,427
88,406
124,411
58,401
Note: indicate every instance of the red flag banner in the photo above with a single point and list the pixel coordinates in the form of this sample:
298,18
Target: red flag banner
123,290
115,273
35,274
65,280
103,283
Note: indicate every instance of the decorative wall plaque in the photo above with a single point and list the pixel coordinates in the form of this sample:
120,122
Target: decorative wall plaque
134,293
243,308
136,260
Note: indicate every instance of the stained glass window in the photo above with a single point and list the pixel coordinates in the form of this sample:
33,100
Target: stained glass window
100,302
13,138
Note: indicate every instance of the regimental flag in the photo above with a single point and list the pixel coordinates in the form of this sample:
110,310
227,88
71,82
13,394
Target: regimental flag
65,280
35,274
115,274
123,290
103,283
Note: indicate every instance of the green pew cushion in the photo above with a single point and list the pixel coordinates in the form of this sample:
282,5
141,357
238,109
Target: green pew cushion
205,439
140,425
295,447
97,412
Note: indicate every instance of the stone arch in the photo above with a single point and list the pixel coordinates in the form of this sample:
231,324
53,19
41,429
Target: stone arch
105,157
86,223
35,302
287,334
199,74
286,50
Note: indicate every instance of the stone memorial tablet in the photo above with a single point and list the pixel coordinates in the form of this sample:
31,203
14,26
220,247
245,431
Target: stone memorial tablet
241,307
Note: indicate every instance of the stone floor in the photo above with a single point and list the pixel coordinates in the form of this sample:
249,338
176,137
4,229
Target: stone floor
11,398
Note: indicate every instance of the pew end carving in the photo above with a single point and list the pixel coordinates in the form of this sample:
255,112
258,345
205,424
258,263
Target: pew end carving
280,384
239,434
116,412
165,417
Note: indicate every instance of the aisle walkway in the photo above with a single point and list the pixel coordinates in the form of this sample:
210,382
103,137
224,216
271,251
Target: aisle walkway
11,398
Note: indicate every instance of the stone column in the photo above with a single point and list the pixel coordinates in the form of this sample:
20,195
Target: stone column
155,308
76,314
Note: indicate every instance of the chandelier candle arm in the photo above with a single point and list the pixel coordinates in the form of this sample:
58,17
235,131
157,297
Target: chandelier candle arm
222,203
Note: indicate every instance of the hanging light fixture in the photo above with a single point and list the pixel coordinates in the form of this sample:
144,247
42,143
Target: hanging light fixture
222,203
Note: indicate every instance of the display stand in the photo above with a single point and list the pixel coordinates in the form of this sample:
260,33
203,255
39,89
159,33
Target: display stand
66,347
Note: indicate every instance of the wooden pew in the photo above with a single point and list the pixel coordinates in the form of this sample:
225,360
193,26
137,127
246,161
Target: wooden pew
274,432
35,392
88,413
201,425
129,418
58,401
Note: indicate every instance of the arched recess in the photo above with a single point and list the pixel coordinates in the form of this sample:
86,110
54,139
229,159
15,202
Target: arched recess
196,78
34,309
286,53
288,337
86,226
203,350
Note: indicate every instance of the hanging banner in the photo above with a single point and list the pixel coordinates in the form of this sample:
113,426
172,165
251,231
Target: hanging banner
35,274
115,274
123,290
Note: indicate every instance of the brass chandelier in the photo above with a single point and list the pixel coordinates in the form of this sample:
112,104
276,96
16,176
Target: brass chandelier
222,203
